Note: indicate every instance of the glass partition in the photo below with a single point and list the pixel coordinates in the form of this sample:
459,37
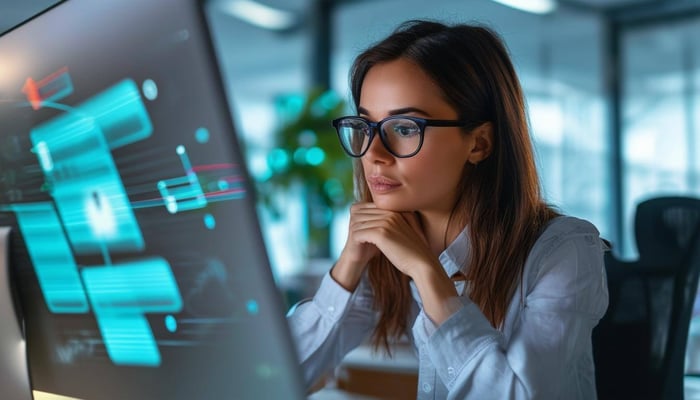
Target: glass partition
660,116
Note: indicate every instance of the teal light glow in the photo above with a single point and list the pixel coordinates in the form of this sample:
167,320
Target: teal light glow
170,323
263,175
252,307
315,156
223,185
209,221
278,160
150,89
202,135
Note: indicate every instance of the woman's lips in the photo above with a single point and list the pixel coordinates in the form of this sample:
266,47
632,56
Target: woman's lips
380,184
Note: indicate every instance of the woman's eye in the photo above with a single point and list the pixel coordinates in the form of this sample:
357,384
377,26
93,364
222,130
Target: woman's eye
405,130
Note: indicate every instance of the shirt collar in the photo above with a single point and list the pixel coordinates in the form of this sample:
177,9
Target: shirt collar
454,258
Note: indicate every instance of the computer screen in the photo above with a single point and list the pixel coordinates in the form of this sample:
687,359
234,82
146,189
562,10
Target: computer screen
135,249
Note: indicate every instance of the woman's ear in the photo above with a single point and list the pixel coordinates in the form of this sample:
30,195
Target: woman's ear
482,144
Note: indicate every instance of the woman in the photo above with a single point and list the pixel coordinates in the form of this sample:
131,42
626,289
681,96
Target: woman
451,242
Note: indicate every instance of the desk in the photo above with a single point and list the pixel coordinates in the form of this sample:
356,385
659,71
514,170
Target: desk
364,374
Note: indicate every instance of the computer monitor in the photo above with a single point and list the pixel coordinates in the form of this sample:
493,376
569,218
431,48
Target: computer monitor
135,250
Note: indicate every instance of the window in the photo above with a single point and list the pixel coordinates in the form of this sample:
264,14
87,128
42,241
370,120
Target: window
661,116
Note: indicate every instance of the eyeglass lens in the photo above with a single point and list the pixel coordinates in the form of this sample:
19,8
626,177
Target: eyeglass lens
401,136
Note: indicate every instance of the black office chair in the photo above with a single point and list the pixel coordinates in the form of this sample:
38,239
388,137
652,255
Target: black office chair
639,345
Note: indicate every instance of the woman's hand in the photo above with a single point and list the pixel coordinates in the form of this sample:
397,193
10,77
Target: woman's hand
400,238
372,230
397,235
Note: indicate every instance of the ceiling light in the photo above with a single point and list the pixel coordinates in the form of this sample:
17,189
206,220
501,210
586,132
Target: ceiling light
533,6
260,15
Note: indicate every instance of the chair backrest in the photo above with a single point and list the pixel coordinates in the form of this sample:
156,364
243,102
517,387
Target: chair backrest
664,228
639,345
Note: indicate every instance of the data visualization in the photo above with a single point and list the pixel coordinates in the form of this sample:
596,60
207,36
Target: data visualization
136,252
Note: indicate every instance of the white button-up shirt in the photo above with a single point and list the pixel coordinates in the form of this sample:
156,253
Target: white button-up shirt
542,350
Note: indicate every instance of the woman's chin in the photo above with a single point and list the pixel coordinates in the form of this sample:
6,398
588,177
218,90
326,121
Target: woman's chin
392,205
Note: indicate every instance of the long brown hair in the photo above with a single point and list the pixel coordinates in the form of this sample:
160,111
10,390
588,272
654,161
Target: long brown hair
500,198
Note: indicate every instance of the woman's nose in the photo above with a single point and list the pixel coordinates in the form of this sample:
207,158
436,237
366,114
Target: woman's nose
377,152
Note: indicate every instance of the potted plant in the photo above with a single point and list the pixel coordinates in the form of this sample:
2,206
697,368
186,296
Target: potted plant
307,153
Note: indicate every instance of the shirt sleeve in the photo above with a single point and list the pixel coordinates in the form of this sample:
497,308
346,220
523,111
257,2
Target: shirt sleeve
326,327
550,343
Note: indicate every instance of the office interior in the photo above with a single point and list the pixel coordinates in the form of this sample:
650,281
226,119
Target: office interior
613,96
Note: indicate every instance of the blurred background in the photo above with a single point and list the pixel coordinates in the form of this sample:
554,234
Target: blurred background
612,90
612,87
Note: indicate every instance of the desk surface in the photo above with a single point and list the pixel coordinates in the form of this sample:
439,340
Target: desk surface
363,368
403,359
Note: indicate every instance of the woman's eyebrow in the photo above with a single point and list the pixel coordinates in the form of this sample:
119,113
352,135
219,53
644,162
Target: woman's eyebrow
398,111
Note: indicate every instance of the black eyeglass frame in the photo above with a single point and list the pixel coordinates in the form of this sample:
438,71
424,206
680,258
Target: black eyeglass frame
377,127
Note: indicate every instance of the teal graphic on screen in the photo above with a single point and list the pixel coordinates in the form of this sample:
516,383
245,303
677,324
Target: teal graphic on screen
74,154
90,214
135,248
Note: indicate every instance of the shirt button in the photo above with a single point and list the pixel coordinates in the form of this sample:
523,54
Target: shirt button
450,371
331,309
427,388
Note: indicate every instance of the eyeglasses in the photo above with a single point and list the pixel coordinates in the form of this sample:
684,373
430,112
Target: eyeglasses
401,135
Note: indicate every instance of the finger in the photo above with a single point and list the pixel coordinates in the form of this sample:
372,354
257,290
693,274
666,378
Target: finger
365,224
362,206
387,218
372,214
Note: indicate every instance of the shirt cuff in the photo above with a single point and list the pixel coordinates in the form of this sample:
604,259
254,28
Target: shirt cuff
331,299
460,339
424,327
